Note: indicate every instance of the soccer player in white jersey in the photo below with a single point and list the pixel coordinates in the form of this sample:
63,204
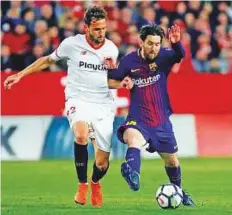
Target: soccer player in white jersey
88,99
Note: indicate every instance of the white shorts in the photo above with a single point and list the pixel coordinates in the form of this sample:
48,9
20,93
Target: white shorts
99,117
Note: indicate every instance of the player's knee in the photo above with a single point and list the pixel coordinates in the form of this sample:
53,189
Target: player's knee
134,142
129,141
172,162
102,165
133,138
81,139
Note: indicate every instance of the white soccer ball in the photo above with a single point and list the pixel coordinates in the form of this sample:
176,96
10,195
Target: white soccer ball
169,196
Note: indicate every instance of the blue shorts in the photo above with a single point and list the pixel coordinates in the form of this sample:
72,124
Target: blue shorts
161,137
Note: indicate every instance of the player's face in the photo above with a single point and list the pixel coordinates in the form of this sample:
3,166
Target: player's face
97,31
151,46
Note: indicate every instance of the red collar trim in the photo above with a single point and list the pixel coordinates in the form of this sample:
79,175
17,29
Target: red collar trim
92,44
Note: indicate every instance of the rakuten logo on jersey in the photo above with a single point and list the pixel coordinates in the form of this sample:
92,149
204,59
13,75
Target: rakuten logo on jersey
92,66
142,82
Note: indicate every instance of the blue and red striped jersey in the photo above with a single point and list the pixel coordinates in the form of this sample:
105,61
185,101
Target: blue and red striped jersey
150,103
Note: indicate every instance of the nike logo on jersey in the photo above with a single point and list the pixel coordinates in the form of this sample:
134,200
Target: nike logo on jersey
135,70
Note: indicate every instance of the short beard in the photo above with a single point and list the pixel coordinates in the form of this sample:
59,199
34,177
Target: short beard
91,37
150,59
146,57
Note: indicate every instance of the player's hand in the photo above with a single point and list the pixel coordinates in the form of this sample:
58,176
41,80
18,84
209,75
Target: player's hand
11,80
127,83
109,62
174,34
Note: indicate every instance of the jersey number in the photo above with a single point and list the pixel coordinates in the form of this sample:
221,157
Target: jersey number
71,110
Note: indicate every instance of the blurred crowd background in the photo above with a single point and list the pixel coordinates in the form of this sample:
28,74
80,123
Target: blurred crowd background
31,29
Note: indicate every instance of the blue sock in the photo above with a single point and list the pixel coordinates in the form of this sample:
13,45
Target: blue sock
133,158
174,174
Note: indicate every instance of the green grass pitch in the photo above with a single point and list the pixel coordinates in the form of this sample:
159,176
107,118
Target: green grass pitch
48,187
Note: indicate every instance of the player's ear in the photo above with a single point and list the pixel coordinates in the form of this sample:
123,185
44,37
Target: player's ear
140,43
86,28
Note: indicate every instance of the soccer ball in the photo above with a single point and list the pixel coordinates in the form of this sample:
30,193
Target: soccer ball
169,196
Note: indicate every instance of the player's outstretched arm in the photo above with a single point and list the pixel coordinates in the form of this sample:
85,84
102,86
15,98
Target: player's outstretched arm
174,36
38,65
113,84
118,76
125,83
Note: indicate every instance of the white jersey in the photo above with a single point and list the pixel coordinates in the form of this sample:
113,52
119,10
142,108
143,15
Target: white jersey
87,75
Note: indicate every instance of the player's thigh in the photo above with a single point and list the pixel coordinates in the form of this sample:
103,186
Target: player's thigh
79,115
77,110
170,159
103,130
101,158
166,141
133,137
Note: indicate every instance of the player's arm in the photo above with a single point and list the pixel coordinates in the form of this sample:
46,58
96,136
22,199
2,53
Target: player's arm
125,83
118,77
177,52
111,66
113,84
38,65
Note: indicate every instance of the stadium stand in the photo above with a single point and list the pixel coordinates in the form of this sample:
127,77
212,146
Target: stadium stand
31,29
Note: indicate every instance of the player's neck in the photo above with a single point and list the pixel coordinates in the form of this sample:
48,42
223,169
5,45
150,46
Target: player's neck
141,53
93,44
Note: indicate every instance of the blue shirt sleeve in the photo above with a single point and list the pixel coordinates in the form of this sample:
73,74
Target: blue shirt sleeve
119,73
176,53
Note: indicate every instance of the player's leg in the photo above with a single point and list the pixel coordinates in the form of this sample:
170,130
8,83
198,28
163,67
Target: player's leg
173,171
172,167
92,138
130,169
167,148
100,165
103,131
80,130
100,168
79,115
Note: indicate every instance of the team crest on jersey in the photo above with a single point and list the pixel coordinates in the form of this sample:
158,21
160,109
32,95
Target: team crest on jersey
83,52
153,66
132,122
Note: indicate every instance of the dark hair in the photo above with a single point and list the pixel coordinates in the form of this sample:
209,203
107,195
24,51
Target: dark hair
94,13
151,29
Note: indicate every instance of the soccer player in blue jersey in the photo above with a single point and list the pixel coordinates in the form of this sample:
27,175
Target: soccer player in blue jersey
148,119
